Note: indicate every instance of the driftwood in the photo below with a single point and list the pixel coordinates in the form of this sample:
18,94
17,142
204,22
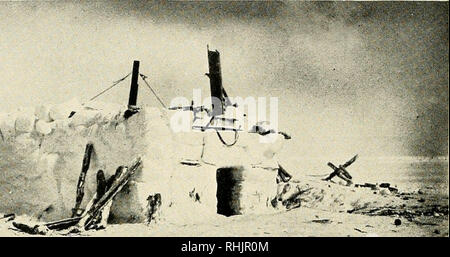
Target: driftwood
82,178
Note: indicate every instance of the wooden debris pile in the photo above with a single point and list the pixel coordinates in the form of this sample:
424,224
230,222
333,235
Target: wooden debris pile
96,213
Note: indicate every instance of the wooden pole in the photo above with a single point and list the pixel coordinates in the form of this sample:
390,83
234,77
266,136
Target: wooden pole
132,100
82,178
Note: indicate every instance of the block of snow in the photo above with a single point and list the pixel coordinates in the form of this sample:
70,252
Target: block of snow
62,111
7,125
61,124
25,123
42,112
43,127
25,141
85,117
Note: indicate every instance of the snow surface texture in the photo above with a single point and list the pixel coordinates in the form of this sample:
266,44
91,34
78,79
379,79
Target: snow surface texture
42,152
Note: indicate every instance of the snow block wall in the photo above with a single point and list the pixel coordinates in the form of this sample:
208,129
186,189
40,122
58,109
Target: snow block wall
42,151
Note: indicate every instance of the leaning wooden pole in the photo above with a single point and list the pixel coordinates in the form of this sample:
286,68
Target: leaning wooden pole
82,178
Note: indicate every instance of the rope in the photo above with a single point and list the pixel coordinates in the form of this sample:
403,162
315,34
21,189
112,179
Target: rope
151,89
113,85
236,136
203,152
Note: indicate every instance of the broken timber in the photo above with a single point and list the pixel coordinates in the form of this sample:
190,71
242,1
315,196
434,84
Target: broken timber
82,178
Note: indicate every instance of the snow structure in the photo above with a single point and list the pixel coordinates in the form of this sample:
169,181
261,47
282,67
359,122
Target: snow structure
42,151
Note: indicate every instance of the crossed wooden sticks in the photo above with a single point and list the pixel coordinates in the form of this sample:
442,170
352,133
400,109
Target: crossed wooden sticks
341,172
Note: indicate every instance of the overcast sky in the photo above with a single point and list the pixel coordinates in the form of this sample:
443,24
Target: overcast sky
365,77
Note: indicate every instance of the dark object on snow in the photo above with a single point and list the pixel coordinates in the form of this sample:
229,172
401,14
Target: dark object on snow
322,221
34,230
283,174
369,185
397,222
385,185
8,217
130,112
190,162
63,224
359,230
393,189
80,186
194,195
341,172
154,204
285,135
71,114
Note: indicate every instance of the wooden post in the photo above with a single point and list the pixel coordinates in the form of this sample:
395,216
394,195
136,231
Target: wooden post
132,100
215,81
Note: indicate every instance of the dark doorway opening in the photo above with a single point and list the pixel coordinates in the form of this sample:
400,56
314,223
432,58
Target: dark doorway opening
229,187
